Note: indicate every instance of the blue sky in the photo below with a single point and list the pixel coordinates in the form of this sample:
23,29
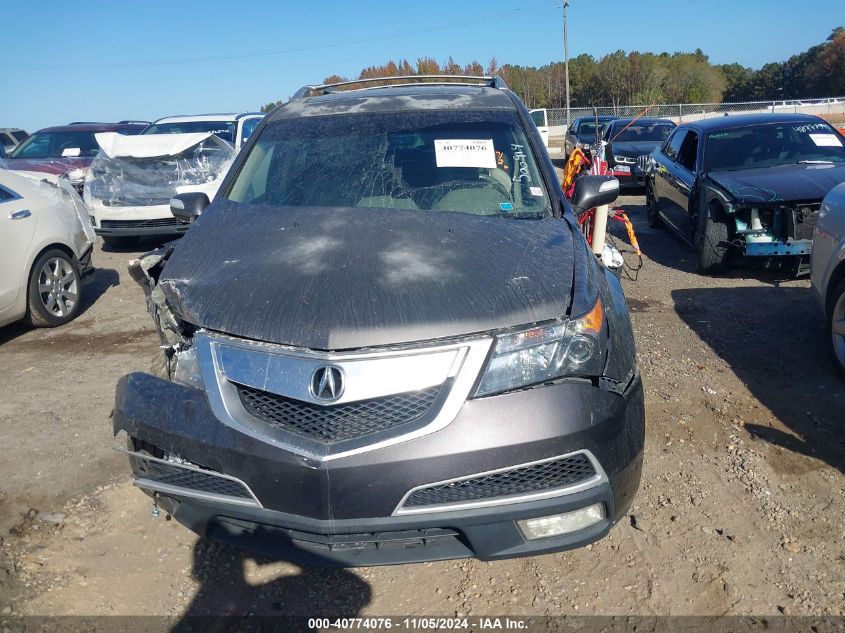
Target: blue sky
112,59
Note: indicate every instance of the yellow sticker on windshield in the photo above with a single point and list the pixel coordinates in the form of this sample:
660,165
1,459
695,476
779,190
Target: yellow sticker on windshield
465,153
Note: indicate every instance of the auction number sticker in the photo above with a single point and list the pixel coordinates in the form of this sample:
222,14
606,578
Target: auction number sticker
826,140
465,153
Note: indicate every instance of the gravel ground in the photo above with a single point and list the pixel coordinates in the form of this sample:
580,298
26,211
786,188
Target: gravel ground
739,512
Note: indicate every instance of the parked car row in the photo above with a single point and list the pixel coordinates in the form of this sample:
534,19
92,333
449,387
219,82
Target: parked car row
126,171
375,288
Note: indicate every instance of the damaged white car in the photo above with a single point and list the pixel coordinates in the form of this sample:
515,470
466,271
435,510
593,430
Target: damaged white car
46,240
132,179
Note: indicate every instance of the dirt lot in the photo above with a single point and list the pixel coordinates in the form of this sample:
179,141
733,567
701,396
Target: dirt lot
740,509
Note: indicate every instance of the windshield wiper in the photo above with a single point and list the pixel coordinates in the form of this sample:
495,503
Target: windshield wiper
814,162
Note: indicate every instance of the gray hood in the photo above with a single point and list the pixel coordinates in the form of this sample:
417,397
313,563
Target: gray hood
337,278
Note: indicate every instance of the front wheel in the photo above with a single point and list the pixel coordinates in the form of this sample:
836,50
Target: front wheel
836,327
714,250
53,289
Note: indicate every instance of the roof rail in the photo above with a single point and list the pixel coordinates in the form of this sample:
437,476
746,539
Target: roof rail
409,80
127,121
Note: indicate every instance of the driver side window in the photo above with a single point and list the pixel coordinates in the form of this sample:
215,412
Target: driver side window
673,144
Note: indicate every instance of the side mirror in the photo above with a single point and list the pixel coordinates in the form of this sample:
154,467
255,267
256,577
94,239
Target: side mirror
644,163
187,207
594,191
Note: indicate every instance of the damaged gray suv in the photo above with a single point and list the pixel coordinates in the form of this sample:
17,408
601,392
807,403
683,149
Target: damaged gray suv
387,341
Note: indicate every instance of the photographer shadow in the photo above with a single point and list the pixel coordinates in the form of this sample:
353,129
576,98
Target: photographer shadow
228,597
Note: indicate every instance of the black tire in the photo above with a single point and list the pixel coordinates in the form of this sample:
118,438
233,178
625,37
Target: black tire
54,291
836,342
120,242
714,249
652,216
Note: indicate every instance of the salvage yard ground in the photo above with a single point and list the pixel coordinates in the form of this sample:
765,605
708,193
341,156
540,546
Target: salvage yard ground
740,508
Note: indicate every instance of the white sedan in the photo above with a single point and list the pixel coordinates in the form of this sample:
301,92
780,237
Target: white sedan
46,240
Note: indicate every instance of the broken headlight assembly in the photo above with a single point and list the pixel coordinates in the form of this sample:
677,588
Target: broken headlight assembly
575,348
185,368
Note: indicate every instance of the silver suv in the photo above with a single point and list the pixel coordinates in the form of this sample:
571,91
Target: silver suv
828,271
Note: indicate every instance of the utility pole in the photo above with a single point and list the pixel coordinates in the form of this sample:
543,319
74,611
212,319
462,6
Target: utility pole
566,56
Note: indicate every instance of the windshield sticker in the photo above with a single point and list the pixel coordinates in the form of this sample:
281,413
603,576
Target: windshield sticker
70,152
719,135
506,206
465,153
536,191
500,160
826,140
520,165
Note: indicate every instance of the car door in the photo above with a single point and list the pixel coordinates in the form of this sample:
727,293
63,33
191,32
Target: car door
671,185
17,225
541,120
247,127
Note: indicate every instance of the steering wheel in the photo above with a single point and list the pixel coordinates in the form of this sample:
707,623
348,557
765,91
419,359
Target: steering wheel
497,185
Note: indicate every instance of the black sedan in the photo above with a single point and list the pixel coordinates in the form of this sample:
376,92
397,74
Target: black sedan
745,185
583,132
627,139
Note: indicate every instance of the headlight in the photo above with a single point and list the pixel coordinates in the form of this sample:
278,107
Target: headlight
186,368
573,348
624,160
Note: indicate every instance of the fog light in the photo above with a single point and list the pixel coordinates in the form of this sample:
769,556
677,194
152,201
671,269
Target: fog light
557,524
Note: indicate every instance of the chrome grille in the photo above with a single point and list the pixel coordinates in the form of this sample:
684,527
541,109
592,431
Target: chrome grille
337,423
559,473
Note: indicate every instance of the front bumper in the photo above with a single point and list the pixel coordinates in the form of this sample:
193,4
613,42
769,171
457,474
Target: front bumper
343,512
634,177
135,221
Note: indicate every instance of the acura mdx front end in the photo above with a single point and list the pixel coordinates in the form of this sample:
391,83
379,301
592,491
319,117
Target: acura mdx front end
386,341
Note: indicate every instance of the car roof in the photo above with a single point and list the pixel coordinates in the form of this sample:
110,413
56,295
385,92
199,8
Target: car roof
740,120
601,117
398,99
187,118
94,127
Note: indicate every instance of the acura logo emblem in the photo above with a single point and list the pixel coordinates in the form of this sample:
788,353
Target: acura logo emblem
327,383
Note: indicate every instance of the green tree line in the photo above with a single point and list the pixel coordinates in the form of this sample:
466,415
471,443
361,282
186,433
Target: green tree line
634,78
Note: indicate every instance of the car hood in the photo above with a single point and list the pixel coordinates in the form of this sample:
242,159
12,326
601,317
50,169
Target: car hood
52,166
340,278
787,183
634,149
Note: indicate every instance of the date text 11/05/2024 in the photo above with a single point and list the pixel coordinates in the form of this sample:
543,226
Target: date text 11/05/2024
422,623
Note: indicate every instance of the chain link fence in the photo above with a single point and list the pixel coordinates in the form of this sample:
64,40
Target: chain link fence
682,112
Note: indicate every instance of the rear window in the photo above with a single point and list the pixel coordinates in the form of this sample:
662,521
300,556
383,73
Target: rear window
20,135
223,129
464,162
